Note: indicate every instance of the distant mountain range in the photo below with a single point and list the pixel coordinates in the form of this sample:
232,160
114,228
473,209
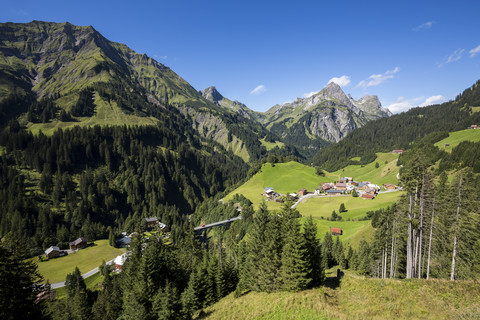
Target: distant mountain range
63,63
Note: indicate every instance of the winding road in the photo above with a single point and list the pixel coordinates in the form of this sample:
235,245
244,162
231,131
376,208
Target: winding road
84,276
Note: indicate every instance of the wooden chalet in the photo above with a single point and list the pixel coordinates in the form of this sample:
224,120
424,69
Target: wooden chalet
368,196
151,222
78,244
119,261
302,192
52,252
336,231
389,186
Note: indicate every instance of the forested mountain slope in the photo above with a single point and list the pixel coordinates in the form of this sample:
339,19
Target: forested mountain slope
398,131
60,73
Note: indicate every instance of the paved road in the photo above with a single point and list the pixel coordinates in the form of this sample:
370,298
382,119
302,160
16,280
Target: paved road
84,276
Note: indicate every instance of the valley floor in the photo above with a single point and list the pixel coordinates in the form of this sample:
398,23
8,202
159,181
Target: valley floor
357,297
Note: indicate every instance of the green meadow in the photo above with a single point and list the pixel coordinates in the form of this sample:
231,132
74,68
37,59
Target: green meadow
291,176
456,137
271,145
56,270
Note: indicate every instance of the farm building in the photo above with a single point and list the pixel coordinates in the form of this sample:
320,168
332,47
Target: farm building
397,151
368,196
336,231
302,192
52,252
333,191
78,244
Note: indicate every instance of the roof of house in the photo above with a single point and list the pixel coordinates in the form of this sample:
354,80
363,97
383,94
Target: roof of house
336,230
120,260
341,184
152,219
124,240
78,241
52,248
162,225
368,196
302,190
334,191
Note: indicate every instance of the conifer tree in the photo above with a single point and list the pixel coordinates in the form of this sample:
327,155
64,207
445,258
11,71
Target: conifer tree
313,254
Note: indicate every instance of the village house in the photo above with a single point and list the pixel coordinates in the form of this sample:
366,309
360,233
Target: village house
354,183
78,244
336,231
151,222
341,186
389,186
475,126
52,252
302,192
163,227
123,242
397,151
119,261
367,196
317,191
268,192
326,186
371,191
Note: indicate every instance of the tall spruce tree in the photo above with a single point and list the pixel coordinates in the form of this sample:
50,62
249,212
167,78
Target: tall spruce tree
313,253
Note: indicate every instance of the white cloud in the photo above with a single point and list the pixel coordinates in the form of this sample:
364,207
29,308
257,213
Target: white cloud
377,79
424,26
455,56
156,56
259,90
402,105
474,51
342,81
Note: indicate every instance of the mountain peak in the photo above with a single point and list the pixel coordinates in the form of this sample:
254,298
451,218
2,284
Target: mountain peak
212,94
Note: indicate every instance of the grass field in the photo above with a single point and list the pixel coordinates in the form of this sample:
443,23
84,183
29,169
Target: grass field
357,207
56,270
271,145
456,137
357,298
292,176
105,114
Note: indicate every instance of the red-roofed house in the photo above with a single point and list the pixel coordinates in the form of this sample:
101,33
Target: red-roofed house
368,196
336,231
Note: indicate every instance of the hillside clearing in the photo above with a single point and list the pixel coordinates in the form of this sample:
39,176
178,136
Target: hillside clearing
56,270
455,138
357,298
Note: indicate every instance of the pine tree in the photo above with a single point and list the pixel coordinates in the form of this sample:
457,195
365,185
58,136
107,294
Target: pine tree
166,304
294,264
313,254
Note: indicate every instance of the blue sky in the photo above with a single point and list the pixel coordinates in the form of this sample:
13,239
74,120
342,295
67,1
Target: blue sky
261,53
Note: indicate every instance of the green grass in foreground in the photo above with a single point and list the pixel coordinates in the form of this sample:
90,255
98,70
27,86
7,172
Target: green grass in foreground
456,137
56,270
358,298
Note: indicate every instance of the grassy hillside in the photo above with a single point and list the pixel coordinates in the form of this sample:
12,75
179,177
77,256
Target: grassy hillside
456,137
56,270
292,176
358,298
